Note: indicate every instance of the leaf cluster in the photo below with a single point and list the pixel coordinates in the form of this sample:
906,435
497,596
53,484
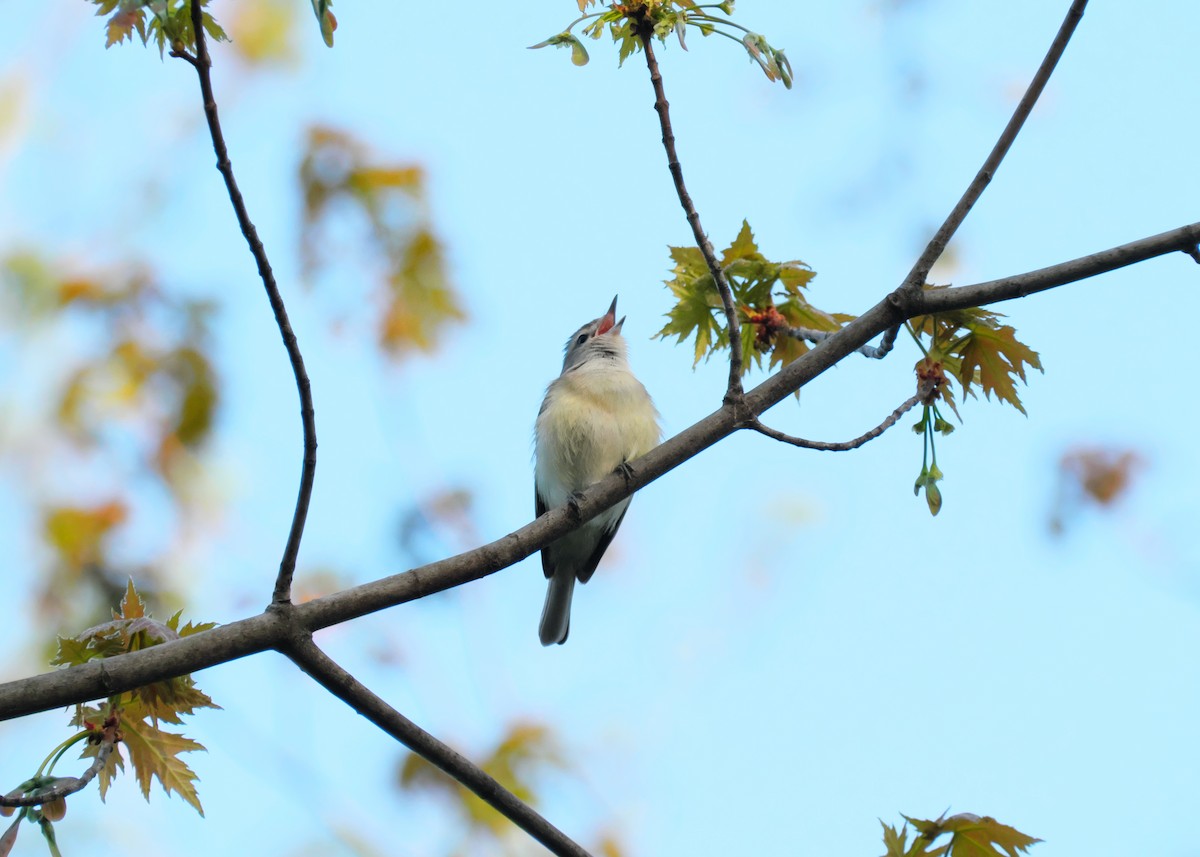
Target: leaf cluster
770,297
169,23
628,22
977,350
153,751
970,836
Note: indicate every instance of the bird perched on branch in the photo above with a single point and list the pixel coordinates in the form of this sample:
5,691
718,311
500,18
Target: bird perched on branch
596,417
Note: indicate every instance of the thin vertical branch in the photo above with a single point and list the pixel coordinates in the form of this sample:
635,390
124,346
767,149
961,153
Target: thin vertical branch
330,675
203,65
937,245
734,391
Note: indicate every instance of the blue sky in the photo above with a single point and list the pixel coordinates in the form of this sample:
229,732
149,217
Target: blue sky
783,646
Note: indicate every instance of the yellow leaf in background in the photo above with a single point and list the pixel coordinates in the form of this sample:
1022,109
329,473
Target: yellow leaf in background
264,32
524,751
77,533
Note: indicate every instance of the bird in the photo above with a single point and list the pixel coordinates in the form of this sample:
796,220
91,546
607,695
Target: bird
595,418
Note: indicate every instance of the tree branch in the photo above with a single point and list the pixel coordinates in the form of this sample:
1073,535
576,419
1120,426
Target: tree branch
68,785
734,390
874,352
327,673
846,445
203,65
937,245
268,630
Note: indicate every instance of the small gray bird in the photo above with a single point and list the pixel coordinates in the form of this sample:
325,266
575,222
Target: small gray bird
596,416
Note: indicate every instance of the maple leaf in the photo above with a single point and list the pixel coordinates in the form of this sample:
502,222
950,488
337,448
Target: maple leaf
896,843
1000,359
154,753
983,837
973,346
743,246
121,26
769,296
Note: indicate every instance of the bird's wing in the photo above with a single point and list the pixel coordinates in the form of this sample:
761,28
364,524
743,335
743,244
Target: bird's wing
586,570
539,509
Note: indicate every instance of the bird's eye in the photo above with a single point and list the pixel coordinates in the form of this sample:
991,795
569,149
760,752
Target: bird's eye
581,338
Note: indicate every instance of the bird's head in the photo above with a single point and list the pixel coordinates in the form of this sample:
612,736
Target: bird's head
599,338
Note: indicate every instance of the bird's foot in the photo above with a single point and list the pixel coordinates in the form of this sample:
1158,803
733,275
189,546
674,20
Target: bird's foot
626,472
573,504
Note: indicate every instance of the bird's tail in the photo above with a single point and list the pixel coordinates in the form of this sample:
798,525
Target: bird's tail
556,615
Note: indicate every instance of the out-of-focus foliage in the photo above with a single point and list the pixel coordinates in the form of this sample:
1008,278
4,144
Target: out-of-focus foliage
168,23
1099,477
526,752
127,406
662,18
339,175
440,524
769,296
522,754
153,751
263,33
970,836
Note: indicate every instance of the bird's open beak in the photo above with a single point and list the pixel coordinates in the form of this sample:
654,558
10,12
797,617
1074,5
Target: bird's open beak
608,321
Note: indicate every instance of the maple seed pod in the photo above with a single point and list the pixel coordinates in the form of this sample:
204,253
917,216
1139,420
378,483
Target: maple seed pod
933,496
55,810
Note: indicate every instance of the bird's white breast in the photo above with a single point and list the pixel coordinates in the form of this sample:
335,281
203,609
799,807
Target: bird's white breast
595,417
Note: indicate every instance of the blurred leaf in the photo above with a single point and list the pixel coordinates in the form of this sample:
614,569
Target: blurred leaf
521,755
264,32
445,518
78,533
339,175
1092,476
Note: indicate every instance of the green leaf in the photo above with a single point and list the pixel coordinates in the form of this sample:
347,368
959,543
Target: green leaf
154,754
973,836
1000,359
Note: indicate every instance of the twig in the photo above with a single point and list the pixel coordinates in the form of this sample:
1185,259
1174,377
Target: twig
327,673
70,785
733,394
203,65
268,630
1194,252
844,445
937,244
875,352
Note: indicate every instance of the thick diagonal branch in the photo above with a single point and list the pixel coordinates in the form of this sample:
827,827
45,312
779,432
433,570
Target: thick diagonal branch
734,390
327,673
100,678
203,65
